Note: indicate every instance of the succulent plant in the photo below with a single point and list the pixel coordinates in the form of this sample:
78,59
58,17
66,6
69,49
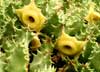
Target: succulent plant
32,39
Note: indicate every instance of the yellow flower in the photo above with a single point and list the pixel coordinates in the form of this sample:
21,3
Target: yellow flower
31,17
92,16
68,45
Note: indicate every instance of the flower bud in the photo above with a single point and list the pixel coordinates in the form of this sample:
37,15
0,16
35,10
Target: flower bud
35,43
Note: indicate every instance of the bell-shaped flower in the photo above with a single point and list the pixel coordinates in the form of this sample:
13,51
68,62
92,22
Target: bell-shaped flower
68,45
92,15
31,17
